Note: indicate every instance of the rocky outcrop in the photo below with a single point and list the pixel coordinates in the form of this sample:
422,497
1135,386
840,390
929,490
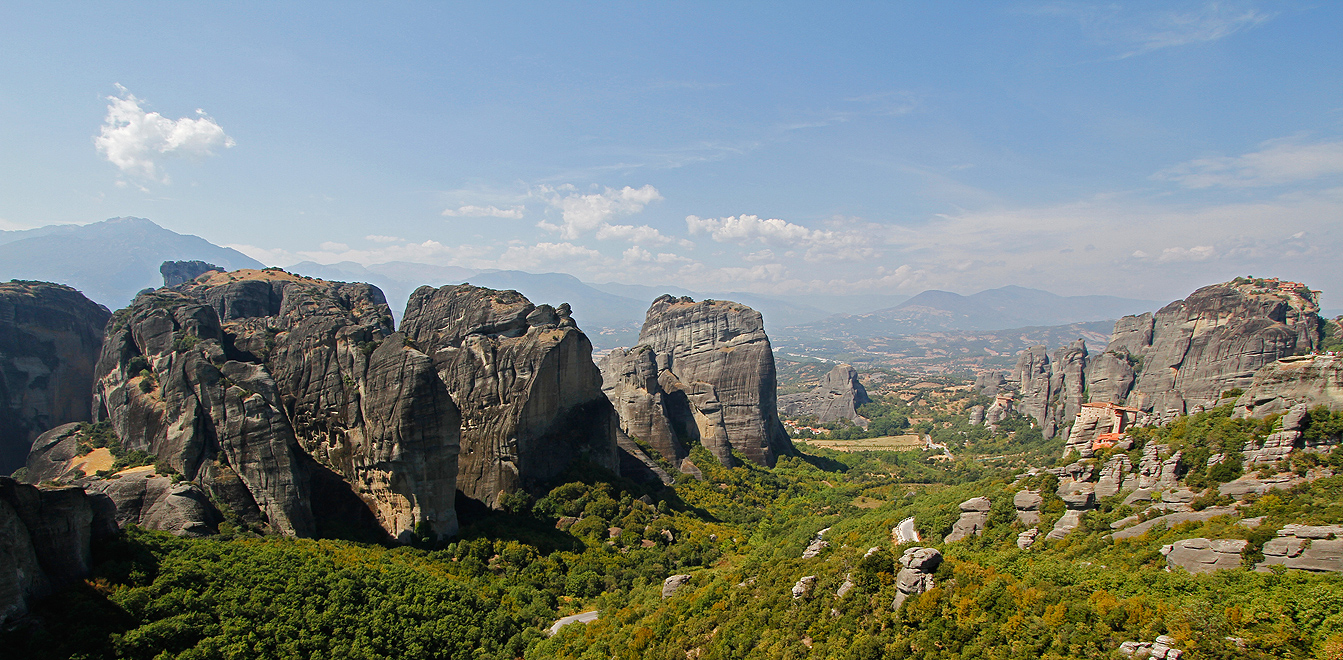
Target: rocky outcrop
290,398
181,272
1204,555
917,566
1277,445
49,340
1304,547
1027,538
45,540
1114,476
1100,425
803,587
1191,351
837,397
523,378
671,584
1078,498
974,518
1173,519
817,545
152,501
701,372
1305,380
1049,391
1027,503
1161,649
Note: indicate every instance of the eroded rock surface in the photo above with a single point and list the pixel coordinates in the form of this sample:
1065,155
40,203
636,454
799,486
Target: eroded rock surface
701,372
917,566
181,272
671,584
152,501
295,390
1204,555
522,376
1305,547
837,397
45,537
974,518
1027,503
1185,356
50,336
1305,380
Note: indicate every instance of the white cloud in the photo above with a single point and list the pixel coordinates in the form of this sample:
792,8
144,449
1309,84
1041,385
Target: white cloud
1179,24
132,139
1278,162
513,212
567,254
376,238
582,214
331,246
819,244
1196,253
637,234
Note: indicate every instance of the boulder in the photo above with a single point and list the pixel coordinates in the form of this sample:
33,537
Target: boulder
1027,503
802,588
152,501
1026,539
816,546
1161,649
1113,476
974,517
1252,485
701,372
50,336
522,377
1204,555
916,573
837,397
671,584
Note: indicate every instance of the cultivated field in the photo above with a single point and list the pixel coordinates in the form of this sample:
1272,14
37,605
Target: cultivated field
884,443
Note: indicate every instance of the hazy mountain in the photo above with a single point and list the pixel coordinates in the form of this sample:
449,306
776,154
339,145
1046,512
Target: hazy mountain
108,261
994,309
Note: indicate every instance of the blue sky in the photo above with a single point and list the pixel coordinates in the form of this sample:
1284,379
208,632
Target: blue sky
1137,149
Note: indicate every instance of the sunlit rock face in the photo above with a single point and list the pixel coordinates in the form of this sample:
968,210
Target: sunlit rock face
522,376
286,384
836,397
1191,351
701,372
50,336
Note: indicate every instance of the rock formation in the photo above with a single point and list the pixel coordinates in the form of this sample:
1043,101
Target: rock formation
1028,503
1191,351
1114,476
1277,445
803,587
522,375
45,537
974,518
151,500
1204,555
49,339
1310,380
1027,538
817,545
294,389
181,272
837,397
1100,424
1049,391
1161,649
1305,547
701,372
671,584
917,566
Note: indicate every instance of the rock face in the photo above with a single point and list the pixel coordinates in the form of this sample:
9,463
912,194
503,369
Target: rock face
1050,391
1304,547
49,340
45,537
1191,351
1028,504
916,573
974,518
1203,555
802,588
837,397
671,584
1100,424
1027,538
523,378
701,372
1114,477
1309,380
181,272
289,398
152,501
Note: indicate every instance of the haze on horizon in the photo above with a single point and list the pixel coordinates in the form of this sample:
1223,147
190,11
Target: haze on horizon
1129,149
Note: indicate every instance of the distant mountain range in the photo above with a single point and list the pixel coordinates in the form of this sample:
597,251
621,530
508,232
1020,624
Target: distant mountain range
112,260
109,261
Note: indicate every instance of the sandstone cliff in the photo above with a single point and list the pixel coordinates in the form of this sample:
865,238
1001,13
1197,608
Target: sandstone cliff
284,385
701,372
837,397
49,339
1049,391
1312,380
523,378
1191,351
181,272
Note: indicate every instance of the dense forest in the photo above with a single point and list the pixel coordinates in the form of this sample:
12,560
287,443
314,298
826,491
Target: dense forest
595,541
